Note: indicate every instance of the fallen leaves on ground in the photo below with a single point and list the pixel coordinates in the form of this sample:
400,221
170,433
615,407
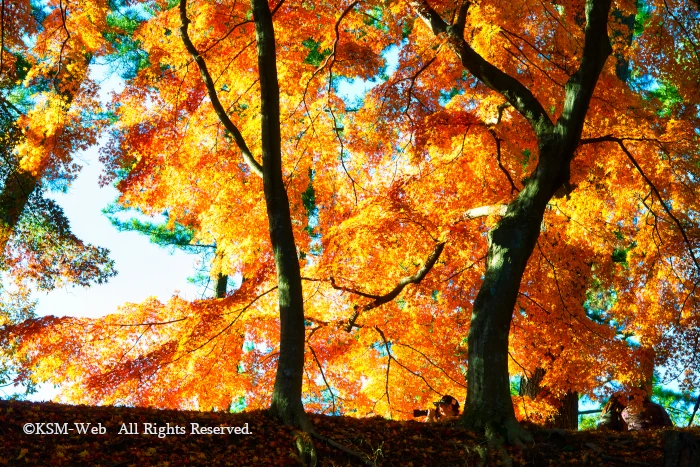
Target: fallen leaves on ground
384,442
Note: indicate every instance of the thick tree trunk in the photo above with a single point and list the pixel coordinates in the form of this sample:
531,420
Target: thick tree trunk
567,416
511,242
13,199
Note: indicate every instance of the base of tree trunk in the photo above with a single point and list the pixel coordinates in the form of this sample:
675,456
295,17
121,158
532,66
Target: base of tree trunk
306,450
295,416
498,430
681,449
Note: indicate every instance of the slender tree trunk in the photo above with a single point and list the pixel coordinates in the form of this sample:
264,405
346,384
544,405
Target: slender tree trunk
286,395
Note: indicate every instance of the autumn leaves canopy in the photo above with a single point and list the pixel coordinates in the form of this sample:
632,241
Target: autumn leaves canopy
528,169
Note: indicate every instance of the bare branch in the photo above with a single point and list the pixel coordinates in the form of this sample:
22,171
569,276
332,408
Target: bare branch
323,375
513,188
432,363
621,144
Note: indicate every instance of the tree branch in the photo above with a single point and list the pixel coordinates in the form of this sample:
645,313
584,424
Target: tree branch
515,92
482,211
323,375
580,87
391,357
513,188
386,298
664,205
213,96
432,363
460,23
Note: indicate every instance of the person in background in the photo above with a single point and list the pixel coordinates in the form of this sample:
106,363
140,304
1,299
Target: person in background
647,416
611,418
621,415
445,409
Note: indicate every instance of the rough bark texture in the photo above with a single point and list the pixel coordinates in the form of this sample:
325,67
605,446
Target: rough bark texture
531,386
567,416
512,240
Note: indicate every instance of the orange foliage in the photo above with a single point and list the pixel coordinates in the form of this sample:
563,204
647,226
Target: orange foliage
393,175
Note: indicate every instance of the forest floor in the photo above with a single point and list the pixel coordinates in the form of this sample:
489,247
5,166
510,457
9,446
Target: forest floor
48,434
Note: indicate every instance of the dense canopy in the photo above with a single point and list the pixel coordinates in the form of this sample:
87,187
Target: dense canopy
526,169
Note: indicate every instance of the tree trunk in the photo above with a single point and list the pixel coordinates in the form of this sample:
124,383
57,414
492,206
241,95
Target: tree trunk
511,241
13,199
221,284
19,184
566,417
531,386
286,395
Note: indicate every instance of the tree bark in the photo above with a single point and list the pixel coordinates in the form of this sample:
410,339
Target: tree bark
221,284
531,386
512,240
566,417
286,395
15,194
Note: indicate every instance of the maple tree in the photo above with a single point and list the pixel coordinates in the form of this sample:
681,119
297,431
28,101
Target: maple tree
535,165
48,111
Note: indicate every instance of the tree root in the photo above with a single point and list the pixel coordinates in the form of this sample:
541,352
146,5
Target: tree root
305,448
498,434
305,432
358,455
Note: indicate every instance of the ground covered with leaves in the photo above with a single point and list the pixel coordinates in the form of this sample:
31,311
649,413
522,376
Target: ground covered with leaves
46,434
